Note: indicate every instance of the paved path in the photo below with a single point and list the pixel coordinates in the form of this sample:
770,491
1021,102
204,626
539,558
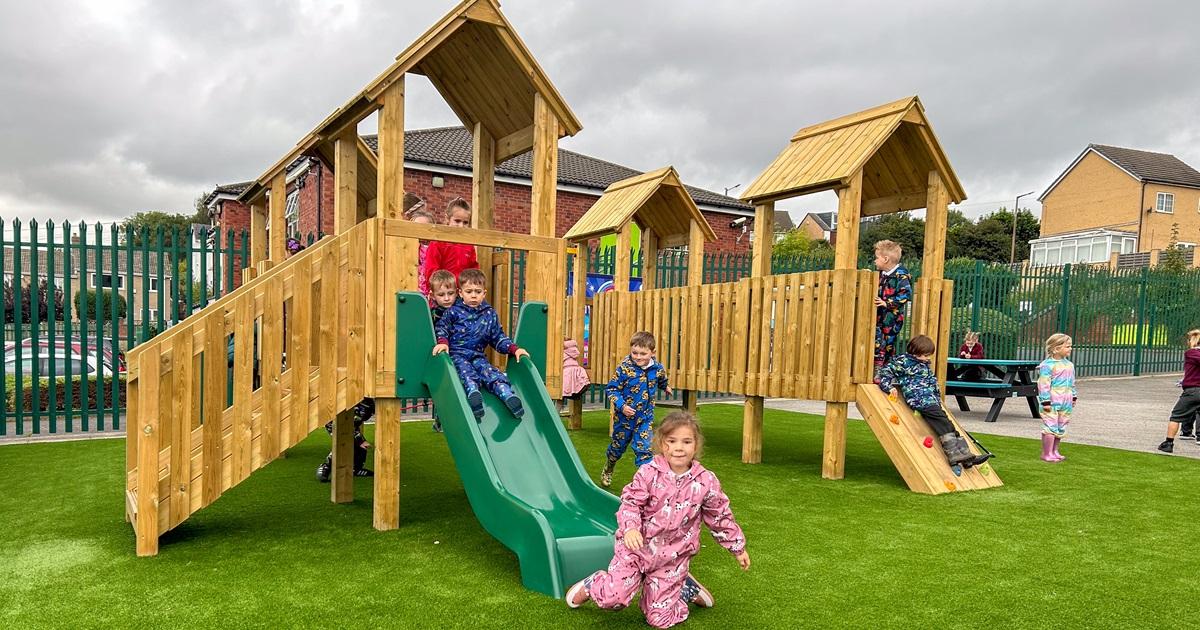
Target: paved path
1128,413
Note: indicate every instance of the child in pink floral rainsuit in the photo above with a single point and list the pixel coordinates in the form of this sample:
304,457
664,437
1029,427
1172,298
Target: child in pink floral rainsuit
658,531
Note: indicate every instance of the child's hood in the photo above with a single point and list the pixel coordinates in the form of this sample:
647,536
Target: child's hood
570,349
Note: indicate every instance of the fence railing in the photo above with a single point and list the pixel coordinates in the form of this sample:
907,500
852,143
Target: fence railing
68,375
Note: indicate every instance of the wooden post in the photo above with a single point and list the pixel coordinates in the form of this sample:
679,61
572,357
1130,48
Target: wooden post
390,191
275,217
483,190
690,402
845,257
258,235
760,265
399,275
649,259
849,215
833,464
345,180
695,255
544,272
933,265
342,490
148,449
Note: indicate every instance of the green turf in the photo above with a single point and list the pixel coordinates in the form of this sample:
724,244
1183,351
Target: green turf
1101,540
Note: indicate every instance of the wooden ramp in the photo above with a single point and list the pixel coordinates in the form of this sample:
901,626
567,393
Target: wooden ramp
903,434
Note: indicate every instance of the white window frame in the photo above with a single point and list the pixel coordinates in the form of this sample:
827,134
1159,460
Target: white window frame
291,215
96,281
1164,202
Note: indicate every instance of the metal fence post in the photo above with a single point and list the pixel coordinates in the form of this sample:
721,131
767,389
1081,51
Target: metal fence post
1064,311
1140,332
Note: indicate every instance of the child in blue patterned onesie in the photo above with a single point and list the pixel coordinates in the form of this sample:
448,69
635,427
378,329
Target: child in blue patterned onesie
466,330
631,393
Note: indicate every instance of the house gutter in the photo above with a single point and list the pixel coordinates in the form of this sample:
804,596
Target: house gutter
1141,213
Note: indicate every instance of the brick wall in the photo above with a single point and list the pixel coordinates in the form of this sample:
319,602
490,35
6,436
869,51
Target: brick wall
511,215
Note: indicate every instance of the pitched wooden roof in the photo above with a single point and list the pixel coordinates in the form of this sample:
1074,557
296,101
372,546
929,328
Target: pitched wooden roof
656,200
894,144
479,65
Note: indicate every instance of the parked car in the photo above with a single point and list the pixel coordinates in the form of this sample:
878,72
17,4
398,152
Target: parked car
80,366
77,346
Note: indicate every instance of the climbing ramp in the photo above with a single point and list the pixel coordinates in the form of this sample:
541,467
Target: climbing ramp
914,449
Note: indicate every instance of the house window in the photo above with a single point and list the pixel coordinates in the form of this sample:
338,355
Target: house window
291,214
106,280
1165,203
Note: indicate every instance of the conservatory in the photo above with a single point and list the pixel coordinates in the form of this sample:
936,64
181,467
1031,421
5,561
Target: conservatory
1093,246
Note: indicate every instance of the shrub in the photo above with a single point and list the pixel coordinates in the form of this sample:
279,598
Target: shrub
96,392
85,304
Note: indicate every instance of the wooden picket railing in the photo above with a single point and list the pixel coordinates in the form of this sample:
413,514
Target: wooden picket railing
188,442
803,335
309,338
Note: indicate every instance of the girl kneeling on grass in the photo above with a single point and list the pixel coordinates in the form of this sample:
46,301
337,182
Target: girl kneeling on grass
1188,406
658,530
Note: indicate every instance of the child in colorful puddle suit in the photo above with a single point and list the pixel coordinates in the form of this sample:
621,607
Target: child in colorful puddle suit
895,292
658,531
1184,413
631,393
1056,392
911,375
466,330
443,292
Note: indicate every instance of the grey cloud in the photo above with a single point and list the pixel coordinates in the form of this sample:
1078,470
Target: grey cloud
113,108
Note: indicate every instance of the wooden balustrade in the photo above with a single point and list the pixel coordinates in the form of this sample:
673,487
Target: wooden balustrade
804,335
308,340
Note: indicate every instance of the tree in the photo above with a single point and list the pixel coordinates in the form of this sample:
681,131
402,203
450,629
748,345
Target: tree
1173,259
990,238
798,243
900,227
85,304
50,301
147,224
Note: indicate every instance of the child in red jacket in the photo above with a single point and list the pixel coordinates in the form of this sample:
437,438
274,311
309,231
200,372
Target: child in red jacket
453,257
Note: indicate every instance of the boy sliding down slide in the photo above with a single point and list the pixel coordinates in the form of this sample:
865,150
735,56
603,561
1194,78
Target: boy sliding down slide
910,374
466,329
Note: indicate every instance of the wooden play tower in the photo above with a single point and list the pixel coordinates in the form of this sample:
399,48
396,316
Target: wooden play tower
810,335
320,326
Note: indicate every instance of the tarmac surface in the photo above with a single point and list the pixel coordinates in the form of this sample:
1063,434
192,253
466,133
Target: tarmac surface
1127,412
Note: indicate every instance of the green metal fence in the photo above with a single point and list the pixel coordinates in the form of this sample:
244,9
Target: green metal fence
65,339
77,296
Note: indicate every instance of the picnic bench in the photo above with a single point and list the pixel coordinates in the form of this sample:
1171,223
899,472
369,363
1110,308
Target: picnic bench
1000,380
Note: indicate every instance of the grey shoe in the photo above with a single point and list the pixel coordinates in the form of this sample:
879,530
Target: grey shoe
955,448
606,474
1167,446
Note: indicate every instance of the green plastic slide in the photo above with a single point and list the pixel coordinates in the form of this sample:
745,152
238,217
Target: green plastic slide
523,478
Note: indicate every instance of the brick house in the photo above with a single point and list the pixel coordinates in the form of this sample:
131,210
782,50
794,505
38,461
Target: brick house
1112,200
820,226
437,167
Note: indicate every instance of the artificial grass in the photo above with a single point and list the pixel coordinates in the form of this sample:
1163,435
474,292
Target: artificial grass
1098,541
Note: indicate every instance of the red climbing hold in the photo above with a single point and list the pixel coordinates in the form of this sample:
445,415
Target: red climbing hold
928,442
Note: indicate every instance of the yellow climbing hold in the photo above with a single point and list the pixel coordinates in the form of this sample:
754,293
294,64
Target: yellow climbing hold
950,486
985,470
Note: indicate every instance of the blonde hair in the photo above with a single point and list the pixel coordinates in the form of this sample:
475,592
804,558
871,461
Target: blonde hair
1193,337
441,278
891,249
456,204
971,336
1056,341
673,422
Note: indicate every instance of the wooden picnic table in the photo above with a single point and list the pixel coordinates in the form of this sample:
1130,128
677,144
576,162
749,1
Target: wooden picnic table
1001,379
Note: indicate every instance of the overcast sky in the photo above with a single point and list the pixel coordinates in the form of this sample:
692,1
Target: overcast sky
109,108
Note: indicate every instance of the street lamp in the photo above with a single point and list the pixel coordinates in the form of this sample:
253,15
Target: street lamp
729,188
1012,252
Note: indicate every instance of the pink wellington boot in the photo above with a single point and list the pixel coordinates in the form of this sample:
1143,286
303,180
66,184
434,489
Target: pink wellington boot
1048,448
1054,451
